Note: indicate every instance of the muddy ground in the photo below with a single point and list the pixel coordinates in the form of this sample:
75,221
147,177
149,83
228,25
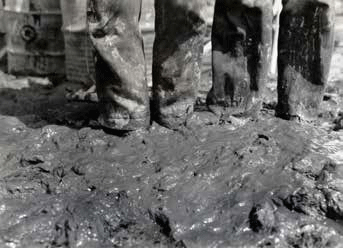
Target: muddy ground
229,182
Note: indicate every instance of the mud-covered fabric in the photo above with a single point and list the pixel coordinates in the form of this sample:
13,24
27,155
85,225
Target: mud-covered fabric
178,48
74,14
305,49
241,53
120,66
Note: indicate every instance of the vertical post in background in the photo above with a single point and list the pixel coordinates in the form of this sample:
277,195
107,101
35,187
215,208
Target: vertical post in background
277,8
78,49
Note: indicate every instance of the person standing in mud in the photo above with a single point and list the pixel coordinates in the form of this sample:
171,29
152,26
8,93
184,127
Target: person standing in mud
120,66
241,54
242,48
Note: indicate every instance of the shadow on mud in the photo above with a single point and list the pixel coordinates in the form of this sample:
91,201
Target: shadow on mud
40,105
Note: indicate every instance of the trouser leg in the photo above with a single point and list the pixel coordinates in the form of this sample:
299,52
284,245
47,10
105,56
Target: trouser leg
178,48
241,53
120,67
305,49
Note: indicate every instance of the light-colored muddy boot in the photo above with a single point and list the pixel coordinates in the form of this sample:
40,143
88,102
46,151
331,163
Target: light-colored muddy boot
120,66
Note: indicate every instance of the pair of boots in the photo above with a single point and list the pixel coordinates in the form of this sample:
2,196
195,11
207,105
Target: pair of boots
241,53
242,40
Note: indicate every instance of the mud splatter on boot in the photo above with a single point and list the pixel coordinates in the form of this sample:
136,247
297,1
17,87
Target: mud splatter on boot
241,50
178,47
120,66
305,49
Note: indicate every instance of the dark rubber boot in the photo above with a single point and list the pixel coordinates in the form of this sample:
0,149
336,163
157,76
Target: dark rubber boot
305,49
241,53
177,54
120,66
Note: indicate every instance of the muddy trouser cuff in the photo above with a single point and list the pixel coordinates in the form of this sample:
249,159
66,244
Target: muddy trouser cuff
177,57
120,66
241,53
306,44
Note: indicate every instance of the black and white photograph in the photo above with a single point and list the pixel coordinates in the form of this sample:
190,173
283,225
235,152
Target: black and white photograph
171,123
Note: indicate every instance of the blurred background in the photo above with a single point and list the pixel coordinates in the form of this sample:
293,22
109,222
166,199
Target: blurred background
37,40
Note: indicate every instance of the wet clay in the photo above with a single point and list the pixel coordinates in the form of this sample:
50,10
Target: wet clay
268,183
66,183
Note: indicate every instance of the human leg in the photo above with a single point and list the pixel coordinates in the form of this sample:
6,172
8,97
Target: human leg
177,54
120,66
241,53
305,49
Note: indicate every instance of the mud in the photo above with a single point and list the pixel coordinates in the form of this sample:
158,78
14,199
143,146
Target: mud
217,183
229,182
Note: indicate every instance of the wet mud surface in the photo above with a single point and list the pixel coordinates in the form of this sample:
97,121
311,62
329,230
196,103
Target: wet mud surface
229,182
218,183
268,183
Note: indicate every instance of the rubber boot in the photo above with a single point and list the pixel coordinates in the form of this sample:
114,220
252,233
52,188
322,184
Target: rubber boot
305,48
178,47
120,66
241,55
